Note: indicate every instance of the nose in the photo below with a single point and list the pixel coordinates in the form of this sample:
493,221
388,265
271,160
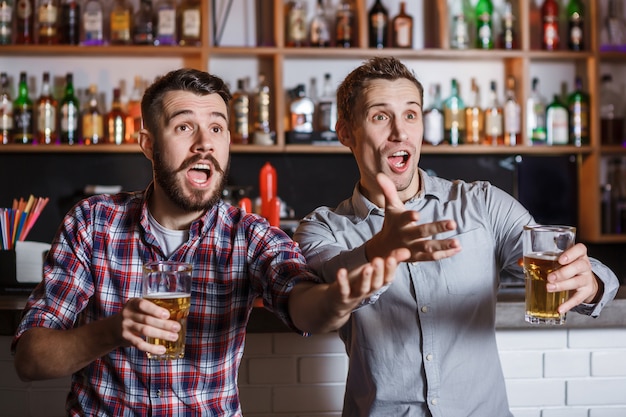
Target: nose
203,141
399,131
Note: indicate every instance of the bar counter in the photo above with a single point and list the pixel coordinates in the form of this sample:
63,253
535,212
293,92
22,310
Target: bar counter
509,315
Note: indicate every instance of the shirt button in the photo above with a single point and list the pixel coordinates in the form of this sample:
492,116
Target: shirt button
434,401
159,393
429,357
424,309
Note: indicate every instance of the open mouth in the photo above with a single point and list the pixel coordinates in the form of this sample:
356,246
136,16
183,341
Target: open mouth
399,159
199,174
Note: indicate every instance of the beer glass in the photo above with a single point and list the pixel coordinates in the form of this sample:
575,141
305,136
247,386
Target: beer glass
168,284
543,244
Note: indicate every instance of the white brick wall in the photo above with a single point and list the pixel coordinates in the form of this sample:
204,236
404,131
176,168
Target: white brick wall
549,373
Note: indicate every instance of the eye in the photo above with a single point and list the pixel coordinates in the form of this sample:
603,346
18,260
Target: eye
379,117
183,128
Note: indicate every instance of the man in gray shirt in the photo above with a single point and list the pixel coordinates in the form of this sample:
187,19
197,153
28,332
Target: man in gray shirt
425,344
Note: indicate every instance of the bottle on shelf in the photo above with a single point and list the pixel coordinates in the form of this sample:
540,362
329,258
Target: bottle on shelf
143,24
327,106
120,21
190,23
550,25
576,32
165,25
296,23
46,114
578,105
378,21
454,115
133,111
512,115
93,123
611,113
433,117
474,117
345,27
47,22
557,123
69,113
6,110
262,131
69,25
93,23
613,33
23,116
459,29
116,120
301,111
402,29
536,115
25,22
268,189
6,22
319,30
494,118
240,114
508,36
484,24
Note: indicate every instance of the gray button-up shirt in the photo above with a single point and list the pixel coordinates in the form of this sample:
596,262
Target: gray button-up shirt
425,346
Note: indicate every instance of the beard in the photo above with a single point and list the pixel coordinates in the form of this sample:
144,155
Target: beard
197,200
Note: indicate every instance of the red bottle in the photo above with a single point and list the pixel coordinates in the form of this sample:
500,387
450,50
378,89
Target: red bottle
550,25
267,188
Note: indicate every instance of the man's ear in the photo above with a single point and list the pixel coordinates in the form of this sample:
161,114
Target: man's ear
146,144
344,133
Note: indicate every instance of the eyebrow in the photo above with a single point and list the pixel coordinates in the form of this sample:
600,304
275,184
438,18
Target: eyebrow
215,114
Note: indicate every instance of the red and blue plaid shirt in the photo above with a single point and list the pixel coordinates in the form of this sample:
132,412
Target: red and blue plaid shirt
95,266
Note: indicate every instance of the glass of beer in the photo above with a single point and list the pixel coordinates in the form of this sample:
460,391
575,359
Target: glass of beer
168,284
543,245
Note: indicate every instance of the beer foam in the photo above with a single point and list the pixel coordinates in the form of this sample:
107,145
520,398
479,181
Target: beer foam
546,256
167,295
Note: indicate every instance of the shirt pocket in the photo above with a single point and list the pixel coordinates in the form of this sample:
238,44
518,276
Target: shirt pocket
472,270
211,302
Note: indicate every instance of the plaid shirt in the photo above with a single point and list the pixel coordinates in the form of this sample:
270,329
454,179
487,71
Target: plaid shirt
95,266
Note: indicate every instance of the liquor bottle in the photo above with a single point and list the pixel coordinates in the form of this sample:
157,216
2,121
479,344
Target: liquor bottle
327,106
512,115
47,21
93,23
301,110
93,124
550,26
576,14
116,120
143,24
484,26
613,34
69,25
190,23
402,29
23,117
296,24
268,188
474,117
611,113
454,116
24,22
240,114
6,110
6,22
345,28
121,23
319,32
46,114
133,111
536,116
459,33
494,118
508,37
557,123
578,106
378,20
70,113
261,114
165,26
433,117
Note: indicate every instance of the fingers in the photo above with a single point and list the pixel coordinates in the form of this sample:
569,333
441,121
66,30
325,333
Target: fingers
143,319
574,276
392,200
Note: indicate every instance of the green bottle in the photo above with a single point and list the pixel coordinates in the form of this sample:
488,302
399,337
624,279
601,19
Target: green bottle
454,116
69,113
23,118
575,14
578,105
484,28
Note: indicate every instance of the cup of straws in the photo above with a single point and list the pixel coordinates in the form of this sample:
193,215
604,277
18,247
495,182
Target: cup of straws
16,222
